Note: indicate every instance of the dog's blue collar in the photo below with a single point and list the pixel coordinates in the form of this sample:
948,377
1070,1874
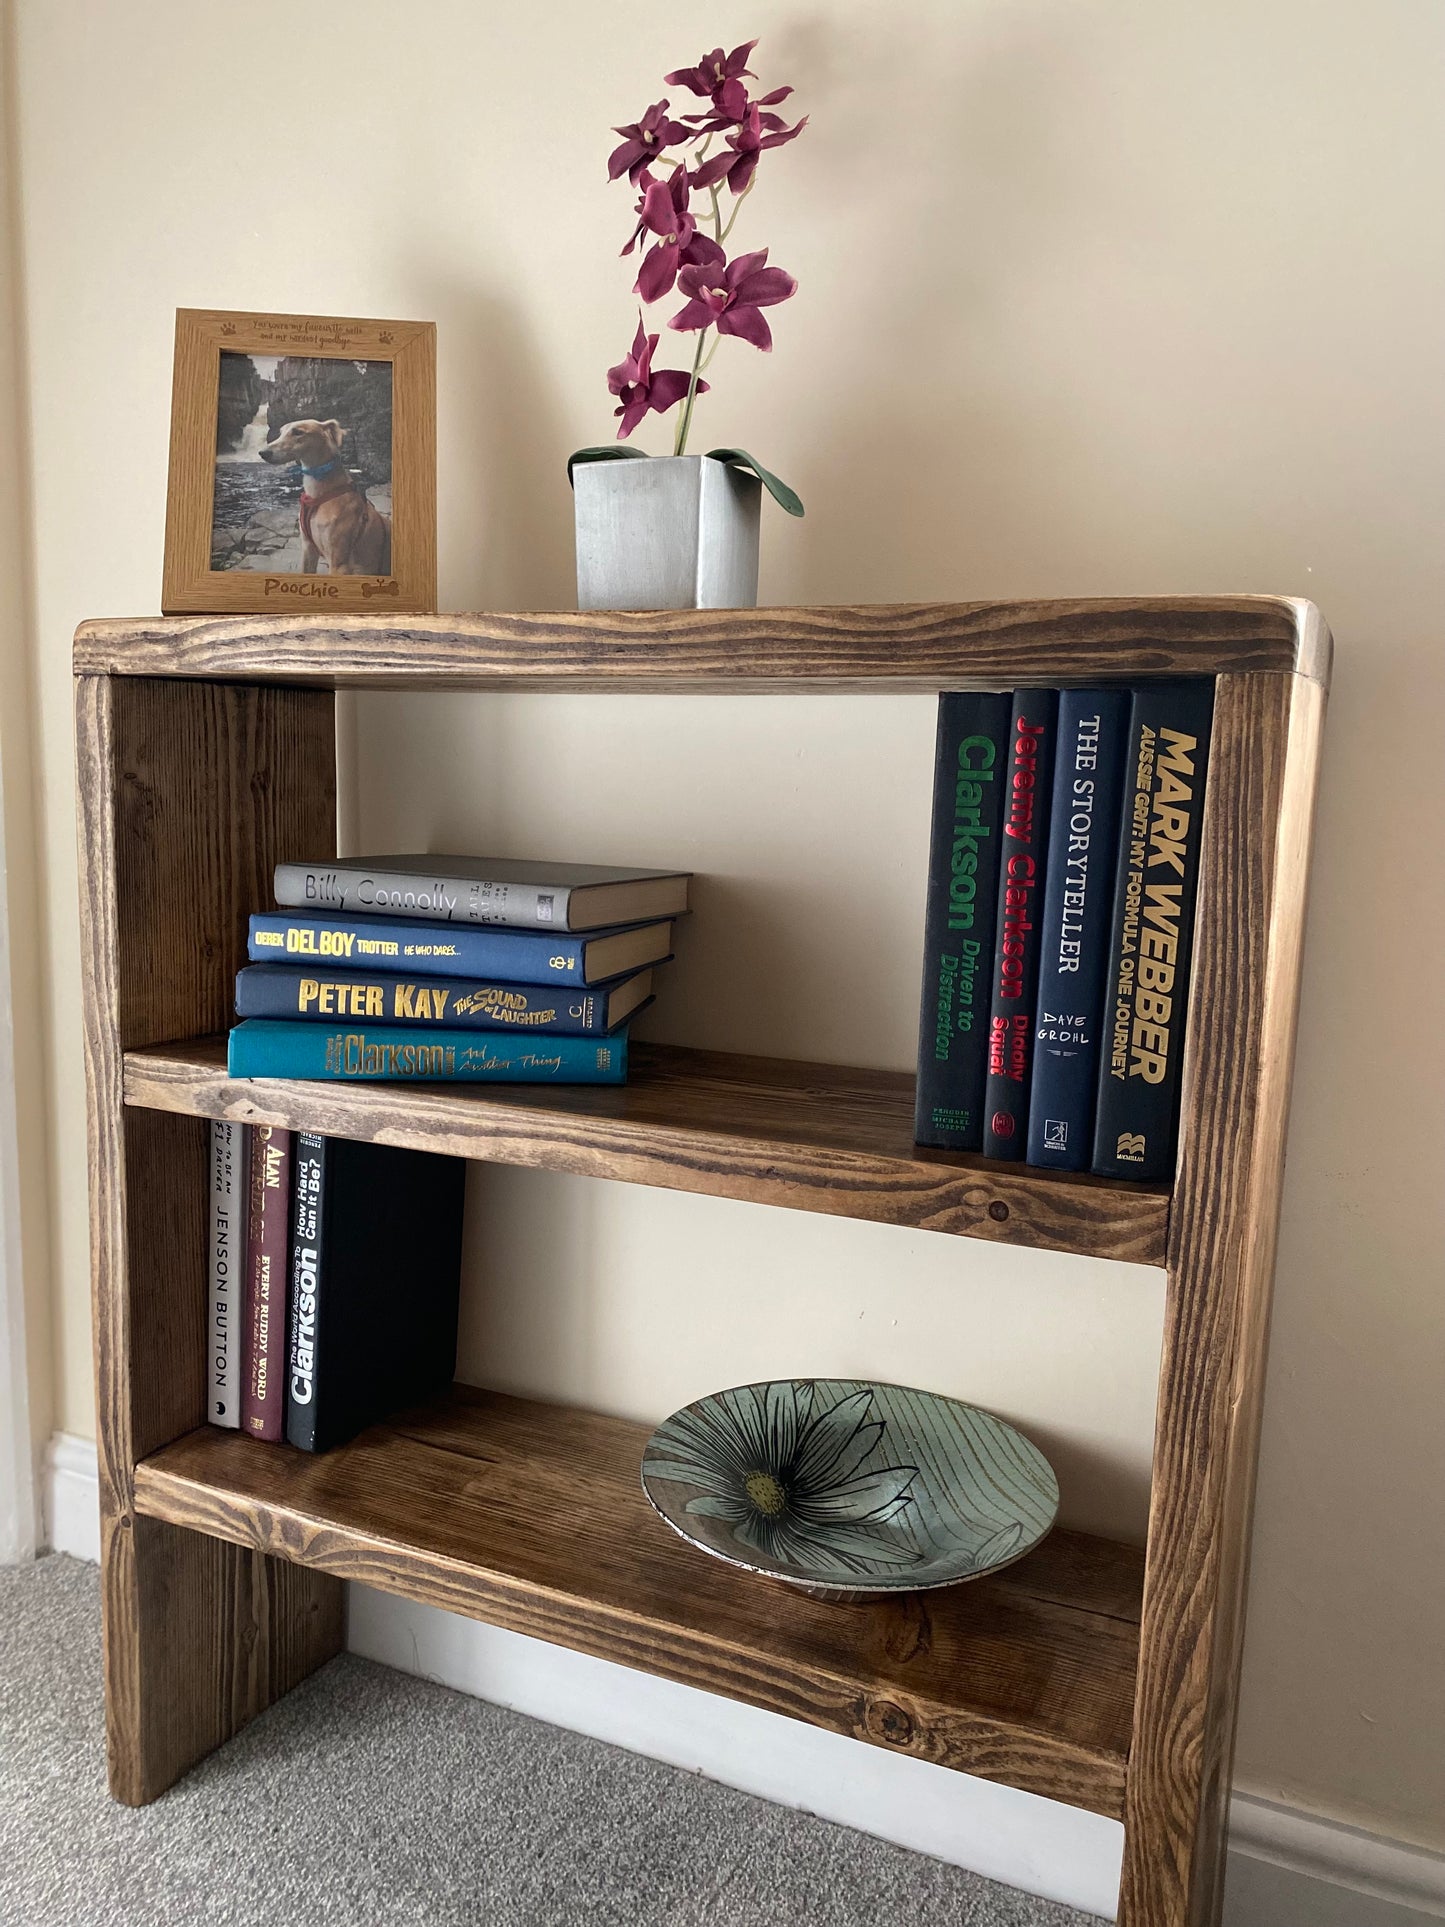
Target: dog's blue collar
321,471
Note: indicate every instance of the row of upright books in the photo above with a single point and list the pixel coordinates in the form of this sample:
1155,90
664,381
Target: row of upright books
1063,866
335,1270
436,969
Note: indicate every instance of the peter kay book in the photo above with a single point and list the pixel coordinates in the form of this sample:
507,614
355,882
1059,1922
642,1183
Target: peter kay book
322,994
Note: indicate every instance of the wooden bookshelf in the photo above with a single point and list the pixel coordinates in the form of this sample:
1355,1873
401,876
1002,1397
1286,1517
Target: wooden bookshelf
1090,1673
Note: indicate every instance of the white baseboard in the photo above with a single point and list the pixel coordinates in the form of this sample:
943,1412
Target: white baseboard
1287,1867
70,1497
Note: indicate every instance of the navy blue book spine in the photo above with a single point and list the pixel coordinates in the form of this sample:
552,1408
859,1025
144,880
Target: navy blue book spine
1078,892
1023,842
1152,929
970,761
277,990
435,949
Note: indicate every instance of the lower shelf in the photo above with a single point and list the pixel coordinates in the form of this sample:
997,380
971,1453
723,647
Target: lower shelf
531,1516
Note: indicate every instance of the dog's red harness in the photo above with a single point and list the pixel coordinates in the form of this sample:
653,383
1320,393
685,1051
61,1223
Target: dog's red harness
310,504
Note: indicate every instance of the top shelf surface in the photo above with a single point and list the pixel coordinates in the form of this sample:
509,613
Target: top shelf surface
899,646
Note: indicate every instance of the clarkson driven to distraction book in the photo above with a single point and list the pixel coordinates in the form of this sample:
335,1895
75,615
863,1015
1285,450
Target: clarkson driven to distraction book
263,1361
1074,923
1023,841
230,1182
527,894
261,1048
453,950
1152,928
970,763
375,1270
277,990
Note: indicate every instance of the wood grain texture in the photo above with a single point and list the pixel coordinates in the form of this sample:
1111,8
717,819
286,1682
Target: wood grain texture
202,335
183,791
813,1137
531,1516
1221,1263
918,646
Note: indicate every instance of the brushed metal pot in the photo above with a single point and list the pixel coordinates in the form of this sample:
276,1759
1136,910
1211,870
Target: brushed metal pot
674,532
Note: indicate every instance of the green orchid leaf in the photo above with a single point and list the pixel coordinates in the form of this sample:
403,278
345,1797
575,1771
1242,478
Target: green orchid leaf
609,452
780,492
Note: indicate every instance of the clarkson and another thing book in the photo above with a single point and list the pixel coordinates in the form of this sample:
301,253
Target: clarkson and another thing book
1023,842
1074,923
451,950
230,1183
375,1277
968,796
1152,928
263,1361
261,1047
524,893
288,991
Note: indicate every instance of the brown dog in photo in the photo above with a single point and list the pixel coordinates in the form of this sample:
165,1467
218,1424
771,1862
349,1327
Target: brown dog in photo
339,526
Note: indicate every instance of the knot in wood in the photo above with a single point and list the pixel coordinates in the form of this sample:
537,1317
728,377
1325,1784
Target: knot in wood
886,1722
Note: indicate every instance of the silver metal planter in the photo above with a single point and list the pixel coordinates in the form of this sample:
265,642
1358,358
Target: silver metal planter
675,532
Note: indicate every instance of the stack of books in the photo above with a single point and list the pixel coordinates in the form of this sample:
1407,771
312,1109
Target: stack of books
1060,924
335,1270
434,968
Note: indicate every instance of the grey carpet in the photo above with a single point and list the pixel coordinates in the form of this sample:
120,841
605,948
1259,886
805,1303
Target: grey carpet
370,1799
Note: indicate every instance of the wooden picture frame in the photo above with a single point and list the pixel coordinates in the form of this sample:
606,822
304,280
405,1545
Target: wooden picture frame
238,536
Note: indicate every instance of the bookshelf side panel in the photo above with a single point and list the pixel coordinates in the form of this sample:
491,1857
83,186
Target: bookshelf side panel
188,794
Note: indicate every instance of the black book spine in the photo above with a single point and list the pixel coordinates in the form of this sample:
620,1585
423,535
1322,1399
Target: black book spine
968,797
1078,892
1152,929
1017,927
307,1257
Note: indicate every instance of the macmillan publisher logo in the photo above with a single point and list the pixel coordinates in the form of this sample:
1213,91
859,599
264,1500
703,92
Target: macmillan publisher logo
1130,1147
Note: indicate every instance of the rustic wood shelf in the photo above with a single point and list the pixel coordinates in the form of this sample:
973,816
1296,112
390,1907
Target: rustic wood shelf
478,1503
811,1136
206,753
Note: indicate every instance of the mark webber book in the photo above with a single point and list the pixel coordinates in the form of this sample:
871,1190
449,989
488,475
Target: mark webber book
454,950
376,1249
1078,890
262,1048
1023,841
280,990
519,892
970,764
1152,928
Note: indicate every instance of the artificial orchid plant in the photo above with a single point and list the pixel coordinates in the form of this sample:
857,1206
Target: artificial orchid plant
682,169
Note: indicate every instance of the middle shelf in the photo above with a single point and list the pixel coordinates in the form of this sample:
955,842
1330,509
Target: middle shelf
812,1137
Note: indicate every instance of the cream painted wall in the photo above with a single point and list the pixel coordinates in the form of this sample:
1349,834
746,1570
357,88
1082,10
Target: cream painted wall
1096,297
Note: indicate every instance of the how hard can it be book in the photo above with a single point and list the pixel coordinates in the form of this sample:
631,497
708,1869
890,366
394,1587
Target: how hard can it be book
263,1357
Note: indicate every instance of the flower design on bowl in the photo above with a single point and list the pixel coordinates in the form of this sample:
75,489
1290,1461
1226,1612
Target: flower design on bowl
848,1488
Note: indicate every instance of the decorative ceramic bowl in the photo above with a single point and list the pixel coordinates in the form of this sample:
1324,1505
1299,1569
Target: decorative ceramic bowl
849,1489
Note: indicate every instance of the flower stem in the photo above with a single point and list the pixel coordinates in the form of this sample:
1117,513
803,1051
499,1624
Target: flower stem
679,446
737,207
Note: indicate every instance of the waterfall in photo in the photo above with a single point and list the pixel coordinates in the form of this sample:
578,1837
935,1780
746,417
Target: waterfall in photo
253,439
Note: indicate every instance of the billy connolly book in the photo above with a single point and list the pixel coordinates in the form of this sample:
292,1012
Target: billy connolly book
526,894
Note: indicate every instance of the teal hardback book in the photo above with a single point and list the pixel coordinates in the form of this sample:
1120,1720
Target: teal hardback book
359,1052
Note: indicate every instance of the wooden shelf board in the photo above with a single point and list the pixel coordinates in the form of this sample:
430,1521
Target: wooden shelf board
921,646
531,1517
812,1137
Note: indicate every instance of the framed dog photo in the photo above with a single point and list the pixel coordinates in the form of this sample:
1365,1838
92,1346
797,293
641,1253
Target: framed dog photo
303,464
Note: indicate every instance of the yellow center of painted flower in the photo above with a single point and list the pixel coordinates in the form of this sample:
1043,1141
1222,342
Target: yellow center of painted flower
765,1492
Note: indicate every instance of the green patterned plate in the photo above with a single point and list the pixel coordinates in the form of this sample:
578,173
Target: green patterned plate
850,1489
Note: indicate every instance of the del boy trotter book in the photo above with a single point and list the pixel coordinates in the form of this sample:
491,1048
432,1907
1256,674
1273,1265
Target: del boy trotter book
457,950
1147,986
527,894
970,765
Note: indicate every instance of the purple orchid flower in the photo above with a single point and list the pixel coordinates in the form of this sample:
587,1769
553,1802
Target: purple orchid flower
759,132
731,301
714,71
644,140
663,211
638,389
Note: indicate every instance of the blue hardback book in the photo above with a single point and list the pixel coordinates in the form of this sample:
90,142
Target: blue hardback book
357,1052
411,944
322,994
1078,893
